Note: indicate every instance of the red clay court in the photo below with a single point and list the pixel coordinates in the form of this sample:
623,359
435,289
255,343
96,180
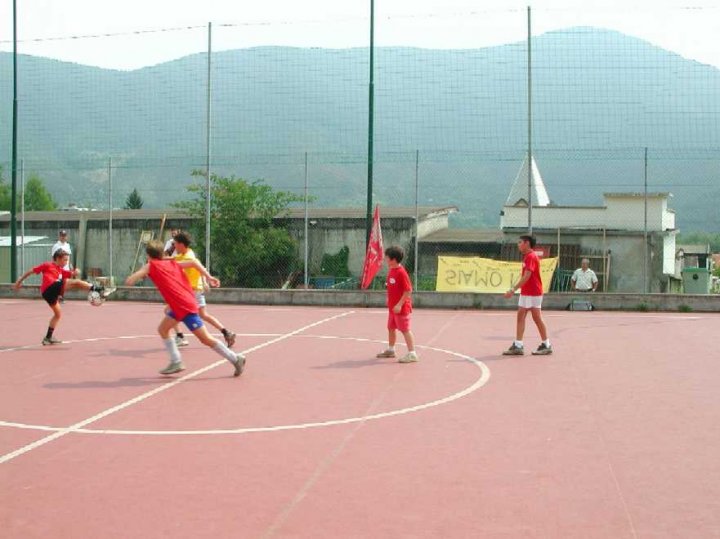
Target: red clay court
614,436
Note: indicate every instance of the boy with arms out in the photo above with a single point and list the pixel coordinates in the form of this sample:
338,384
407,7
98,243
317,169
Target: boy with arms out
531,295
55,280
183,252
399,291
170,280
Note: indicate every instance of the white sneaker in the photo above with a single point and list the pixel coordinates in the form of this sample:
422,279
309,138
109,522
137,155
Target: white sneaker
239,364
173,368
181,341
410,357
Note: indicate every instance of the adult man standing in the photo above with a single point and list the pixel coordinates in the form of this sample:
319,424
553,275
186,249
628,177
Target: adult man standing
170,244
584,279
62,243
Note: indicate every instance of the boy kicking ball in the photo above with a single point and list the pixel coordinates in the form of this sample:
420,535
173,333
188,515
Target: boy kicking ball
531,295
55,281
170,280
399,291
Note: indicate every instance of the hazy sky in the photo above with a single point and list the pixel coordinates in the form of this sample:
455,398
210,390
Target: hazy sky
690,27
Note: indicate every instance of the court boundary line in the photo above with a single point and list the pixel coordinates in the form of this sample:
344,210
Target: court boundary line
477,384
126,404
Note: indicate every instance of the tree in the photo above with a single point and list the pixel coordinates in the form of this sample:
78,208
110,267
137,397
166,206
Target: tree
5,192
247,248
134,201
37,197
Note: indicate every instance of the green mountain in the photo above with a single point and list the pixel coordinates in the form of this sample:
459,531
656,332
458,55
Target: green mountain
599,98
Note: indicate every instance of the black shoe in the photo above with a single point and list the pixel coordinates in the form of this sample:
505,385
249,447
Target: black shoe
514,351
543,350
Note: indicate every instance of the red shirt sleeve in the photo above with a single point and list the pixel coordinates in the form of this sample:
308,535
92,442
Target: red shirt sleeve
40,267
66,274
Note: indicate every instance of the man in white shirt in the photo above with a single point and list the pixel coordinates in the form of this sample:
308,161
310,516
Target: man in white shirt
62,243
584,279
170,244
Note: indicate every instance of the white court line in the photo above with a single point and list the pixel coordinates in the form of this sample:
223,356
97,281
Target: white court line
79,425
481,381
125,337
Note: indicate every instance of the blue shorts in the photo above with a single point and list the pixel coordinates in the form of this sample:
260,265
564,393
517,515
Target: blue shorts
191,321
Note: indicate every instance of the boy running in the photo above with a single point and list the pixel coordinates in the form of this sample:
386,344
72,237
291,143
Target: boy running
399,291
531,295
170,280
183,252
55,280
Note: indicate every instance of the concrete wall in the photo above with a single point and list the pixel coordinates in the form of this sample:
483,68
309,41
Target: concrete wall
326,236
626,260
331,235
430,300
94,252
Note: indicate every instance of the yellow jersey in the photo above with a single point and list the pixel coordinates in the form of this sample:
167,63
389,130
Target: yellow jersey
193,275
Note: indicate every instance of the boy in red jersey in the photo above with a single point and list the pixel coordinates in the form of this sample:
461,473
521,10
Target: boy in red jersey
531,295
171,282
55,281
399,291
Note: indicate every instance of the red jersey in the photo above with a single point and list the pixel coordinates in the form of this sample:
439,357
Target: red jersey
398,282
51,273
171,282
534,286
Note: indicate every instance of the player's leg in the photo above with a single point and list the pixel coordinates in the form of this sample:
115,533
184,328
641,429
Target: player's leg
229,336
52,296
210,319
180,339
392,338
520,324
403,324
517,348
166,325
72,284
54,321
194,324
545,347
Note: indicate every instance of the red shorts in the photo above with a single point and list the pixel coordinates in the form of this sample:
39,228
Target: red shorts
401,322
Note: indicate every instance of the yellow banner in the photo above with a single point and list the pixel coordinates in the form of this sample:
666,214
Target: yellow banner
474,274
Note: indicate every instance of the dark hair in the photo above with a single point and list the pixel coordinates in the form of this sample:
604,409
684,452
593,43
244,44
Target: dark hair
59,254
155,249
395,252
183,237
530,239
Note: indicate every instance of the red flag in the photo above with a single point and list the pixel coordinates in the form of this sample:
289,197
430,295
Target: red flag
374,255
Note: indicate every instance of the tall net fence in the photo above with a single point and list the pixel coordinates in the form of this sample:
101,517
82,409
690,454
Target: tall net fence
625,143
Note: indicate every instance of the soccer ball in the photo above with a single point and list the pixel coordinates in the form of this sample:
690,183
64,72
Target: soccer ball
95,298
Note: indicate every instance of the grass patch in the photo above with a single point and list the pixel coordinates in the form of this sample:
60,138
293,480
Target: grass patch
642,307
685,308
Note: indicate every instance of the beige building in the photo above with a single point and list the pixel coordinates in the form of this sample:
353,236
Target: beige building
632,234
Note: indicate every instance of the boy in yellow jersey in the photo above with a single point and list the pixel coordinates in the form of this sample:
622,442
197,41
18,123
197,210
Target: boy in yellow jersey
183,252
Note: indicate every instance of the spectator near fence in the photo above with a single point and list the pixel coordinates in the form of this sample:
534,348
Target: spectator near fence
62,244
584,279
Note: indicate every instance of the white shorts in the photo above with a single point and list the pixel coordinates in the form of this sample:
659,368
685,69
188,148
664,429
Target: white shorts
530,302
200,298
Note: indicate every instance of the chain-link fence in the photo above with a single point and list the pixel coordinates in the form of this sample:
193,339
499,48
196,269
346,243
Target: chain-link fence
625,146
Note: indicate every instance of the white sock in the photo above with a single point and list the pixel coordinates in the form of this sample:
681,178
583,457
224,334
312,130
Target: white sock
547,343
172,350
391,348
519,344
225,352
